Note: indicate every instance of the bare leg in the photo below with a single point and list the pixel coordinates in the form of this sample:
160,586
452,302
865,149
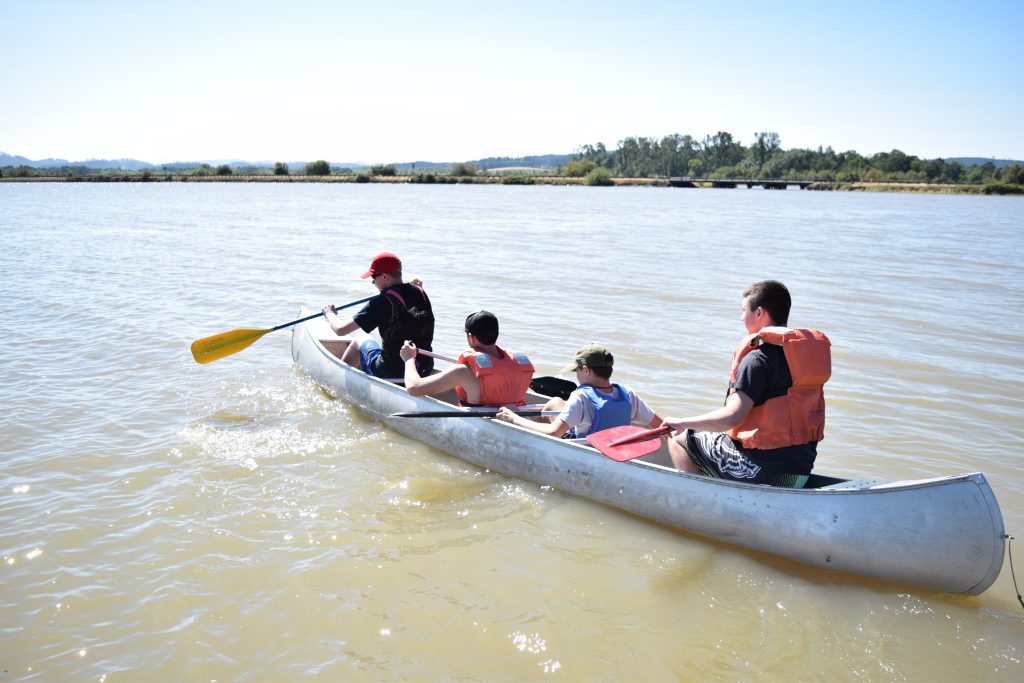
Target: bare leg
553,404
680,458
351,355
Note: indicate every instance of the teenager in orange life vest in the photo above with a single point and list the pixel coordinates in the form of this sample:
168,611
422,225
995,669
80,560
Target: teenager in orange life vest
774,414
485,374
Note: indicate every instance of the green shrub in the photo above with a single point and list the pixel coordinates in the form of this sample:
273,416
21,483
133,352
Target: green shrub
578,168
1014,175
388,169
599,177
281,168
362,178
1003,188
727,172
319,167
462,169
517,180
223,169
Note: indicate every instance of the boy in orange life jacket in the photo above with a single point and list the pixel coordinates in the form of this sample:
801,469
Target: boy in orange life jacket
485,374
596,405
774,414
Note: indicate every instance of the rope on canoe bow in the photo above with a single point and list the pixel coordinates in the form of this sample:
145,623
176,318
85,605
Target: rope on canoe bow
1009,549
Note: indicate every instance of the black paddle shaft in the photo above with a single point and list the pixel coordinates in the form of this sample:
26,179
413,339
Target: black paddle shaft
317,315
466,413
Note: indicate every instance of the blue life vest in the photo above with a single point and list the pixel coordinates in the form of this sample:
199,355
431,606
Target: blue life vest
608,411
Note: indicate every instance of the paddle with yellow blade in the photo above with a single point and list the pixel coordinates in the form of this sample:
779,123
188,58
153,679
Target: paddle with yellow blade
209,349
627,442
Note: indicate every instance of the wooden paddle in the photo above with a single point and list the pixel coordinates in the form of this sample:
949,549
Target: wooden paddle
627,442
209,349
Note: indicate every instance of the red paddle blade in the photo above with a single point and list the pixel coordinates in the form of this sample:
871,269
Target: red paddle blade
627,442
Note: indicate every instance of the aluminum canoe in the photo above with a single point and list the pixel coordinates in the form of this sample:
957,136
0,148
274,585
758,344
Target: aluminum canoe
944,533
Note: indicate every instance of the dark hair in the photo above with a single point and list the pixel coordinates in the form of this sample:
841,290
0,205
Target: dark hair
483,325
772,296
486,338
602,371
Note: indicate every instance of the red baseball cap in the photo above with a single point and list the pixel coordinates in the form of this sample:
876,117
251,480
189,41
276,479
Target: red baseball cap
384,262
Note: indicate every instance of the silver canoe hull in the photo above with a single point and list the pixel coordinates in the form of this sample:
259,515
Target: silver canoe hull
944,533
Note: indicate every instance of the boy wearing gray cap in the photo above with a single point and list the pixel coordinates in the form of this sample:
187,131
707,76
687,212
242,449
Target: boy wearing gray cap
595,406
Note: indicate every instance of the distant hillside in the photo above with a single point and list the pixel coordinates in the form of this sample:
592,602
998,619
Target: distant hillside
136,165
537,161
407,166
545,161
99,164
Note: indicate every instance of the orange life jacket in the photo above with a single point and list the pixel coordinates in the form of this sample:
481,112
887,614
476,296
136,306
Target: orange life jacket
799,416
503,379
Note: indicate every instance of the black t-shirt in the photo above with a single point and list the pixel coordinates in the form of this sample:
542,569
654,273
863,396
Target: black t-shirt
763,374
397,322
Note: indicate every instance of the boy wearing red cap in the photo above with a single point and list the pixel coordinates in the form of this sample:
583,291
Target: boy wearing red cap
401,311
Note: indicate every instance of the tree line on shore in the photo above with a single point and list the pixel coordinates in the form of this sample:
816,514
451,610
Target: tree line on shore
720,156
716,157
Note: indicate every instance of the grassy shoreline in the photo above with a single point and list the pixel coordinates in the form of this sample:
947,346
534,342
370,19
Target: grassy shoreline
916,188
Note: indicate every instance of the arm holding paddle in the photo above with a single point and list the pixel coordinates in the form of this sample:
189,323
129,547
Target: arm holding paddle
556,427
340,327
574,416
736,408
718,420
449,378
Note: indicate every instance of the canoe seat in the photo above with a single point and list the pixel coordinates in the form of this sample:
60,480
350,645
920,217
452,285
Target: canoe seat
336,345
790,481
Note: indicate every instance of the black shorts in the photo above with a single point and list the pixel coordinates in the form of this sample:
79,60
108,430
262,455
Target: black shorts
716,455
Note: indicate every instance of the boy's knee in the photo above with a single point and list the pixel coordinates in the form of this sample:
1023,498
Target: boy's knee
680,457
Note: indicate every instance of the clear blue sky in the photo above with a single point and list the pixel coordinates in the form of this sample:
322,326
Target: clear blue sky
451,81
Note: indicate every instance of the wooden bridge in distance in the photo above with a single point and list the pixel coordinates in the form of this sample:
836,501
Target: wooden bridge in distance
736,182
